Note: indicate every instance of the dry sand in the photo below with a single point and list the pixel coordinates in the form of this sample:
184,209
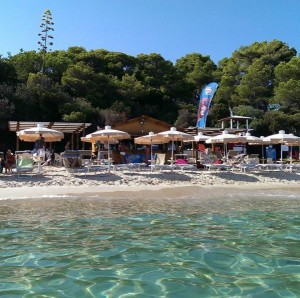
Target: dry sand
55,181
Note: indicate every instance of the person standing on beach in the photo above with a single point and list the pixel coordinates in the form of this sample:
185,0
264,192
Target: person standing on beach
10,161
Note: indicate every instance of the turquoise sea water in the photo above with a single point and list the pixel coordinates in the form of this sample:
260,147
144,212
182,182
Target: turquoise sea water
155,247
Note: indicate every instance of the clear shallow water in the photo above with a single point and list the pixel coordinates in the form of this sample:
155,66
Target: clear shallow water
155,247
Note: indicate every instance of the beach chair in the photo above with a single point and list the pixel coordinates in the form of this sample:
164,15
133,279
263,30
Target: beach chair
159,162
248,164
57,159
74,170
24,165
232,153
182,164
72,162
218,166
133,162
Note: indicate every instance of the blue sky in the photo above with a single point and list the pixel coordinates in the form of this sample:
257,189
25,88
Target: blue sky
172,28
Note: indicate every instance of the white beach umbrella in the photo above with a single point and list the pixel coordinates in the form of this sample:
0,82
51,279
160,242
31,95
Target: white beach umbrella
34,133
252,140
174,135
200,137
265,141
281,138
296,142
226,138
108,134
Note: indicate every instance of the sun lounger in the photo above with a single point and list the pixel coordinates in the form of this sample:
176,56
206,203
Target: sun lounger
292,167
248,164
24,165
270,166
244,167
218,167
96,168
159,163
184,167
134,166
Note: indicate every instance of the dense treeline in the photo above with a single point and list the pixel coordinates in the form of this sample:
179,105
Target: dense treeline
103,87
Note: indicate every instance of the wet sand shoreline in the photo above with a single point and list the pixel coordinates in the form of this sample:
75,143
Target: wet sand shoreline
56,182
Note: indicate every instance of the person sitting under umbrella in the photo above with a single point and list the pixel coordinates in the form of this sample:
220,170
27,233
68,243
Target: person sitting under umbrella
39,144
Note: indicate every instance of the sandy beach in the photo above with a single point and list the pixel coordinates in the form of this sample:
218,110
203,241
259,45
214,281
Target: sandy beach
56,181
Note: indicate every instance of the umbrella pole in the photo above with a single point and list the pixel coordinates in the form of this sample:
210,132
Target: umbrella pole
172,159
108,155
151,156
172,150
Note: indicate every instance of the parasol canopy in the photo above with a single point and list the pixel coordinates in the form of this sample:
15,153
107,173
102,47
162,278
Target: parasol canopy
89,139
109,135
34,133
174,135
200,137
282,138
151,139
226,138
252,140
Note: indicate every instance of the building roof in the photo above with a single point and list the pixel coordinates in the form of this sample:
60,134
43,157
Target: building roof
235,118
142,126
65,127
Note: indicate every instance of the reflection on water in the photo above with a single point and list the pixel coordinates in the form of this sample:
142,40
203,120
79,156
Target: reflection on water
167,246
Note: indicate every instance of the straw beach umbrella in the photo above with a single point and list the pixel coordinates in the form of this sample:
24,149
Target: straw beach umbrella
151,139
109,135
174,135
34,133
89,139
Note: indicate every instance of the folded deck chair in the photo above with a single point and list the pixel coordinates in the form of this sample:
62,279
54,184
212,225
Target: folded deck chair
24,165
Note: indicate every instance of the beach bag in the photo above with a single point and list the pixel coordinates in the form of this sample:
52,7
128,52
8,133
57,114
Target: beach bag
180,161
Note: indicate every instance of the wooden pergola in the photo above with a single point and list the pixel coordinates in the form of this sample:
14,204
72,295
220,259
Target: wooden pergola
74,129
